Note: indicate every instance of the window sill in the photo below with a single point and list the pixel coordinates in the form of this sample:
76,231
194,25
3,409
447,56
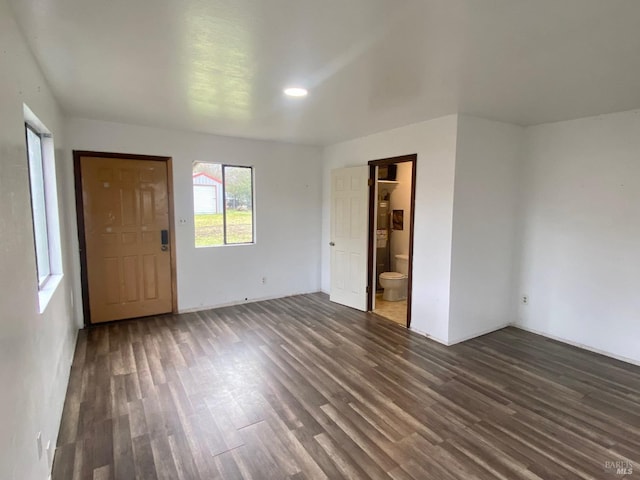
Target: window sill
47,290
227,245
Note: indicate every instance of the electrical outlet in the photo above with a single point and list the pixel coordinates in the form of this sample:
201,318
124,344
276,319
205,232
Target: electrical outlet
525,300
263,280
182,221
39,444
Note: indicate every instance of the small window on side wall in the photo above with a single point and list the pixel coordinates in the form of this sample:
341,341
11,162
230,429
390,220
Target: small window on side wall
38,205
222,204
44,206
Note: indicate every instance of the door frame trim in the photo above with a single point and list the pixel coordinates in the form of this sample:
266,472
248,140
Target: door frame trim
77,173
413,158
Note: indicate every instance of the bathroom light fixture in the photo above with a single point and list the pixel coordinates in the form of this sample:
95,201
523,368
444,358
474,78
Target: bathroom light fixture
296,92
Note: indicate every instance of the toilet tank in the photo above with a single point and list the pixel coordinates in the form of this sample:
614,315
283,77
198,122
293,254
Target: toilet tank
402,264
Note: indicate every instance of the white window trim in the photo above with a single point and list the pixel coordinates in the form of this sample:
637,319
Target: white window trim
222,193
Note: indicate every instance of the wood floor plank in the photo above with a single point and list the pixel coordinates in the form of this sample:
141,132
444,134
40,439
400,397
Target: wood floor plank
183,457
143,458
123,461
301,388
227,467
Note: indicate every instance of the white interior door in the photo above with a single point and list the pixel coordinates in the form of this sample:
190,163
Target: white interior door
349,236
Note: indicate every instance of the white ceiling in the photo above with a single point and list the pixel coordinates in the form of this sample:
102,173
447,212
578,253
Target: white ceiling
219,66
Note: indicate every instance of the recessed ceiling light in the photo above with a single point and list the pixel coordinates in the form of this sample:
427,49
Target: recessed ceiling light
296,92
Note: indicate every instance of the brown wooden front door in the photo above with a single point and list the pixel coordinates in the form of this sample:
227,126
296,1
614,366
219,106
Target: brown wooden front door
126,229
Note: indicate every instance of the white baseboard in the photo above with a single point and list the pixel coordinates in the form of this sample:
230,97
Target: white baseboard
430,337
240,302
479,334
577,344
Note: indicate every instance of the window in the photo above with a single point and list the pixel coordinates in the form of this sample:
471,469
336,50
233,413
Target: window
44,206
222,204
38,205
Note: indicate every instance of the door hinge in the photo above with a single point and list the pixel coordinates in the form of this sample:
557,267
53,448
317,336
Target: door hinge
368,288
370,182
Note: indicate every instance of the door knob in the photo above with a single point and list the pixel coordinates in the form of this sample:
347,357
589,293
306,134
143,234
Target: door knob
332,244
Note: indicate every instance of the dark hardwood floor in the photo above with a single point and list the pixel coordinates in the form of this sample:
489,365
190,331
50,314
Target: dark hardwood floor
302,388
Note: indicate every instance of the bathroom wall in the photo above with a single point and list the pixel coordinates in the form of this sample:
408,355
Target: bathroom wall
401,200
488,159
435,143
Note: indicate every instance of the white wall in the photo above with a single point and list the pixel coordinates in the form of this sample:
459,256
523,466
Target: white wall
580,263
287,206
35,349
401,200
435,143
488,158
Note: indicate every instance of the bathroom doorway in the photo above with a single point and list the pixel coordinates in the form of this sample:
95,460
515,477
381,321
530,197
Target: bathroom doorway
391,220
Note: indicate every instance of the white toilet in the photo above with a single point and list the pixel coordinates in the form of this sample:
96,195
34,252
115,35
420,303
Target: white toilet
395,283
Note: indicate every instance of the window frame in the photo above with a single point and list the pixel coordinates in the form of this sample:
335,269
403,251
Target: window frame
223,194
41,282
46,289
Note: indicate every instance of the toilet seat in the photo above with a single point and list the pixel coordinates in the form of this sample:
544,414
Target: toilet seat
392,275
